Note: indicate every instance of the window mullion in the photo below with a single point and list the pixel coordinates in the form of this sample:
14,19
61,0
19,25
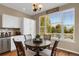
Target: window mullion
45,31
62,26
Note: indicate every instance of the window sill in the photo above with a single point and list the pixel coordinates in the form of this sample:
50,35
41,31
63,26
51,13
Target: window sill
65,40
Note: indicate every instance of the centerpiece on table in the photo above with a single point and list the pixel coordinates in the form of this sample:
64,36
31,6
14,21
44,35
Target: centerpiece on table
37,39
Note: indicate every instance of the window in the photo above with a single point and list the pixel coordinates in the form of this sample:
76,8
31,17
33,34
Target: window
68,24
42,24
29,27
58,24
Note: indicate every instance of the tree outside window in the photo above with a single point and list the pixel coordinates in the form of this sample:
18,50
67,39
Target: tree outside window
55,23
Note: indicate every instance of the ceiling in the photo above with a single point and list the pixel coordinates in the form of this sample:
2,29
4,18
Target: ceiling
27,7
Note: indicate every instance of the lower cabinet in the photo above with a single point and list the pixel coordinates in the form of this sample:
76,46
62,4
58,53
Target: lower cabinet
4,45
1,46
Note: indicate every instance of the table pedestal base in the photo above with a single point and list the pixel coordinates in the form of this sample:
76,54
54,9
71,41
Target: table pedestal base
37,54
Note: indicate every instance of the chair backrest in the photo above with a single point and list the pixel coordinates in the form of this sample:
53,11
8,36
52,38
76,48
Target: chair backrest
54,48
47,37
28,37
19,48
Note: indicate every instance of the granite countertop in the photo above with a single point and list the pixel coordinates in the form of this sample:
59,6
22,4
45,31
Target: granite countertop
10,36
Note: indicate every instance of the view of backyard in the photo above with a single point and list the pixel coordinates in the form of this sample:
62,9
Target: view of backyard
55,26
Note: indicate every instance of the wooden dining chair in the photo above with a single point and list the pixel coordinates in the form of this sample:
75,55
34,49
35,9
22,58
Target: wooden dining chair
19,48
21,51
52,52
28,37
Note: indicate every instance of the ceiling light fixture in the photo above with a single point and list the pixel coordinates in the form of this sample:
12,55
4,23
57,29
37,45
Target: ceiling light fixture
36,7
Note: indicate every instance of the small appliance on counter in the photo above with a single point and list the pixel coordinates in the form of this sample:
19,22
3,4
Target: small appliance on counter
2,35
9,33
17,33
5,34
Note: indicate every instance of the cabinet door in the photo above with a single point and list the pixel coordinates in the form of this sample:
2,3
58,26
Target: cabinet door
4,44
8,44
10,21
1,46
7,21
16,22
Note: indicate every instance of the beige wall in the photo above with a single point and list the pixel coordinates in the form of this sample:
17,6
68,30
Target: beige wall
36,17
13,12
70,46
67,45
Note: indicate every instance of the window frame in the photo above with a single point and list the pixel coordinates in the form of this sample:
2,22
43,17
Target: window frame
71,9
62,27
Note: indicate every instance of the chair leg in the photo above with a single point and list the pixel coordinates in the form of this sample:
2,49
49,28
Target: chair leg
55,53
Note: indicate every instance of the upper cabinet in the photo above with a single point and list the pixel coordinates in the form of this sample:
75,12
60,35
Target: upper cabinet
8,21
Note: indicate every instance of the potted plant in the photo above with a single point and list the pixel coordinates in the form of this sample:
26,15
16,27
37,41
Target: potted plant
37,39
37,36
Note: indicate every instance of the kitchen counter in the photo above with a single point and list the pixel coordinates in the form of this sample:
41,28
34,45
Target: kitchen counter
4,37
17,38
11,36
17,35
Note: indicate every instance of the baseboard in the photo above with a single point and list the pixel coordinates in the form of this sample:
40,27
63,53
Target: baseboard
68,50
4,52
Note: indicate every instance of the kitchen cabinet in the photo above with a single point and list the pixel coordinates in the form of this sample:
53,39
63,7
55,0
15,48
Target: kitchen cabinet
8,44
4,45
0,46
8,21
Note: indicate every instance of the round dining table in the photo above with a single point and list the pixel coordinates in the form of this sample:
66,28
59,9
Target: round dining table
37,47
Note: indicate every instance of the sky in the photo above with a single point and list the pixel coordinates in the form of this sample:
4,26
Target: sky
68,18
